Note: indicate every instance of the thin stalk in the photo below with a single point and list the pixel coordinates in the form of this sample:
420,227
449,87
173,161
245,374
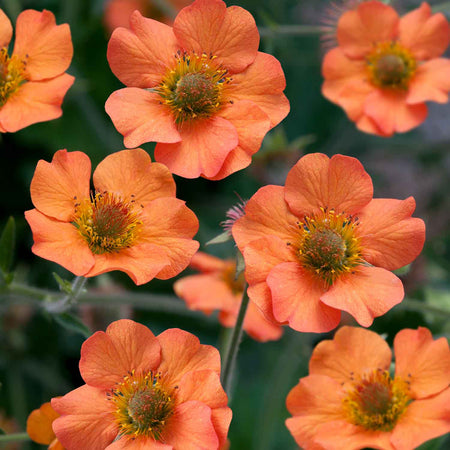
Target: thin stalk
69,299
15,437
416,305
233,347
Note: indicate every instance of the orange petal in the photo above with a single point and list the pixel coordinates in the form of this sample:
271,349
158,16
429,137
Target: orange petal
296,300
6,30
367,125
138,115
45,46
360,28
208,26
35,102
59,242
39,424
352,352
263,83
258,327
339,183
55,445
391,113
132,174
390,237
87,420
204,146
367,293
422,361
221,418
251,124
205,263
142,443
141,56
426,35
430,82
57,186
106,358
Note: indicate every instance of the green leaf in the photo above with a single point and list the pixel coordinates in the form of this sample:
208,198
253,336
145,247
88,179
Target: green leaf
240,264
2,431
72,323
7,244
64,285
220,239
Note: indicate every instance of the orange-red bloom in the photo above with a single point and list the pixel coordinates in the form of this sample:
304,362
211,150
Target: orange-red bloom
217,288
39,427
201,89
350,400
32,80
321,244
145,392
132,221
385,67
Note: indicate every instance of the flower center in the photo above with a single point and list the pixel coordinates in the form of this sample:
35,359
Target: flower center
376,401
390,65
12,75
328,245
142,405
229,276
194,87
107,223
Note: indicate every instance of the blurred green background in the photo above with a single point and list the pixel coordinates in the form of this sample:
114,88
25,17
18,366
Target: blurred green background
39,355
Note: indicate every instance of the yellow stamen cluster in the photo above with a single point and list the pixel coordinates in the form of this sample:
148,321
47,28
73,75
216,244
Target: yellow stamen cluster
376,401
12,75
328,246
390,65
107,223
193,88
142,405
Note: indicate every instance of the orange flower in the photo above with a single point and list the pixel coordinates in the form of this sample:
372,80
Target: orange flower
144,391
132,221
385,67
217,288
39,427
350,401
321,244
201,89
32,79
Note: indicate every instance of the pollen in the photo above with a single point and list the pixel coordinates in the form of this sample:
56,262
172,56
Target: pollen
390,65
107,223
328,245
194,87
376,401
12,75
142,405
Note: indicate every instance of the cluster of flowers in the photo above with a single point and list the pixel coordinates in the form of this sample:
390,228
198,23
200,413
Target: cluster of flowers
317,246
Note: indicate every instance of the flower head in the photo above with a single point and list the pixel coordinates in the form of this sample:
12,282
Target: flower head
39,426
386,67
32,78
144,391
321,245
201,89
216,287
131,222
350,400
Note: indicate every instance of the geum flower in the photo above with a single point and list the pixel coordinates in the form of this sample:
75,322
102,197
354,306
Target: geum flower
216,287
351,401
145,392
321,245
385,67
132,221
201,89
32,80
39,426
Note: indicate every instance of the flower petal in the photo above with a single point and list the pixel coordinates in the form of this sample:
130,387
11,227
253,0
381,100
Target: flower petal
107,357
6,30
46,47
39,424
203,262
230,34
142,443
339,183
422,361
390,237
56,187
367,293
138,115
426,35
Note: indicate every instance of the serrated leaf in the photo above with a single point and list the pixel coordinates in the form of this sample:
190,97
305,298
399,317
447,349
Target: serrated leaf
72,323
220,239
64,285
7,244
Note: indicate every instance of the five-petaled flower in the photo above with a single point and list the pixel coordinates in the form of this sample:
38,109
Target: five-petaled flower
321,244
217,287
39,426
385,67
132,221
201,89
32,80
351,401
144,391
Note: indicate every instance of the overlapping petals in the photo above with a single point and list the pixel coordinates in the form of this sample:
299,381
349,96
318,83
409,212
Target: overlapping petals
39,426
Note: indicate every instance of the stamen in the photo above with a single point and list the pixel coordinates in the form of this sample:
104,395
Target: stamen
12,75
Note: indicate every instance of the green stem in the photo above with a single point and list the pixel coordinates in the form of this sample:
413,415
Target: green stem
14,437
441,7
232,349
291,30
416,305
69,299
